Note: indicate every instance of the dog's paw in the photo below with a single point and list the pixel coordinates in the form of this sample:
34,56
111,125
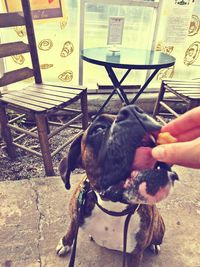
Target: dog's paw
61,249
155,249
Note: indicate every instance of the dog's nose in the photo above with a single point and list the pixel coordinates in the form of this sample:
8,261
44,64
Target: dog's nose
127,112
134,114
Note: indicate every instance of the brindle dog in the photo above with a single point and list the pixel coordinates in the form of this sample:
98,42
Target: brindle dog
115,152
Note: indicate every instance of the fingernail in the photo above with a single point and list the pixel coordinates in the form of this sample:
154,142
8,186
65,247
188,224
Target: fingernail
158,152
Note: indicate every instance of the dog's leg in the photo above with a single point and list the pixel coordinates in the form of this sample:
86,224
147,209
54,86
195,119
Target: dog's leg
135,258
66,242
158,234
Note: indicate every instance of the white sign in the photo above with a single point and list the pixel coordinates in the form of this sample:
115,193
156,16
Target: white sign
178,22
115,30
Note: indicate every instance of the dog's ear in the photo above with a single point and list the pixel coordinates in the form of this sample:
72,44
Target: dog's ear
71,162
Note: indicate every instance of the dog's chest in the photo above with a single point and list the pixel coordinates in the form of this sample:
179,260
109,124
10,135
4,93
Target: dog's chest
107,231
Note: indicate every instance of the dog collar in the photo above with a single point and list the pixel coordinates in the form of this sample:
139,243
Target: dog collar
130,209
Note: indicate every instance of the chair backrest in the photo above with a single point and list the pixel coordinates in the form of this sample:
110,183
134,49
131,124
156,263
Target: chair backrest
14,19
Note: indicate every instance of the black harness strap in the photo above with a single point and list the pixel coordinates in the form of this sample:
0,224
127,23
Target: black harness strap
126,224
73,254
129,211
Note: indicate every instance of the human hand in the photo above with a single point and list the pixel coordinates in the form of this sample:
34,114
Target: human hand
186,151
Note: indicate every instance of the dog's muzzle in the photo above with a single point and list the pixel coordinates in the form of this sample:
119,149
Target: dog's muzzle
142,178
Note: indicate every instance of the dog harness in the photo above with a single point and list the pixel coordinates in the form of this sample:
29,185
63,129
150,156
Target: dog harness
81,201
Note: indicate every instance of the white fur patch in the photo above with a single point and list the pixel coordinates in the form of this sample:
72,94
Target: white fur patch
107,231
61,249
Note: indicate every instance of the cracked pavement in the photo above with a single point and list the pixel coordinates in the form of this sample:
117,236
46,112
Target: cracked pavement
33,217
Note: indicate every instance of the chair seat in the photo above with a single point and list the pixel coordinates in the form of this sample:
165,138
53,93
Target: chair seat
187,89
182,91
40,98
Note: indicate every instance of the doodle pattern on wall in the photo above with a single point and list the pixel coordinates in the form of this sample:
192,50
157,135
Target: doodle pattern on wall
192,53
169,72
194,25
46,66
66,76
18,59
20,30
45,44
67,49
63,24
165,73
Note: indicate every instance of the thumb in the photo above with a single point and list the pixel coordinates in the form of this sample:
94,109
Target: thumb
184,153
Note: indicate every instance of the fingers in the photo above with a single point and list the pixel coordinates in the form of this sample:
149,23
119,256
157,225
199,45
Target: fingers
189,135
186,122
184,153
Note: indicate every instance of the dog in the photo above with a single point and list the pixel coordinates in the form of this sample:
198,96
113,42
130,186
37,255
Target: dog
115,152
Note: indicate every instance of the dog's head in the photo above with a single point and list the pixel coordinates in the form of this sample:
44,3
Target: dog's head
115,152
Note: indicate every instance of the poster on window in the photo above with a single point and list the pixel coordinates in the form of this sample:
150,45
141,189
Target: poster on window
178,21
115,30
41,9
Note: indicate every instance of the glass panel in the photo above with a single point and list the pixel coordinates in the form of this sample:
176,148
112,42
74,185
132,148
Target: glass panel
57,43
138,25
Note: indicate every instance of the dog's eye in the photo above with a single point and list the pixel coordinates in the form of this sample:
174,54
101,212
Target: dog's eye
98,129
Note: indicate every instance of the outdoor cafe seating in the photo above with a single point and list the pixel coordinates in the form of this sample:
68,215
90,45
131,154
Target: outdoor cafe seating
35,101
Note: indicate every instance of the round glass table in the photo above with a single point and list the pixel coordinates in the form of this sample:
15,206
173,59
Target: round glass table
129,59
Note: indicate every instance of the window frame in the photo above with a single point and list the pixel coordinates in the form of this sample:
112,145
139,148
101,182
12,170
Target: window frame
156,5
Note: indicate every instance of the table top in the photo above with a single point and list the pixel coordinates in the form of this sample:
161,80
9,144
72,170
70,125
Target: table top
128,58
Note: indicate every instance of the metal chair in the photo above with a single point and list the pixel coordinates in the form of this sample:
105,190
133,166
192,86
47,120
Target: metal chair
37,101
176,97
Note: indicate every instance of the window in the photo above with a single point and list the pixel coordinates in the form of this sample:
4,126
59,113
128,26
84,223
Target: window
57,42
140,18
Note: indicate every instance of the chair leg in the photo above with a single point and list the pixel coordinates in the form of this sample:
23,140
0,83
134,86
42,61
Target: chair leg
160,98
84,108
44,143
6,133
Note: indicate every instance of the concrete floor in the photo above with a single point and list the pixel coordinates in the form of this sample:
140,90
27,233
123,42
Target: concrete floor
33,217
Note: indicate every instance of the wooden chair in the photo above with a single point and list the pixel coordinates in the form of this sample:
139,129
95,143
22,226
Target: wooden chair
176,97
37,101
